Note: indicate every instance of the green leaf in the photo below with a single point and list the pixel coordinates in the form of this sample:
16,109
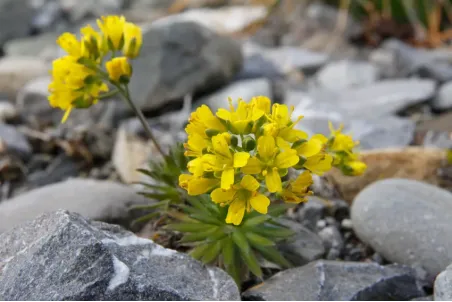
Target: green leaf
228,252
199,251
146,218
206,218
188,227
196,202
255,221
212,253
157,196
252,263
200,236
149,206
257,240
219,234
279,209
273,232
241,241
273,255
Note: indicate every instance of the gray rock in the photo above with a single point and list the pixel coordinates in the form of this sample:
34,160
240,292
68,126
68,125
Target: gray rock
98,200
443,285
305,246
426,298
293,58
337,280
346,73
41,46
32,99
7,111
179,58
407,222
332,238
15,18
14,141
385,97
67,257
257,66
245,89
77,10
443,99
311,212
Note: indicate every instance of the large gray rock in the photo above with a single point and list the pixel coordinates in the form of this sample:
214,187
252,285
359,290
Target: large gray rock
385,97
98,200
331,280
181,57
443,285
63,256
443,100
406,221
15,18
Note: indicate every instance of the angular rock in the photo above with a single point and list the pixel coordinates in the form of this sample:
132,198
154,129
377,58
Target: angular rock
255,65
98,200
443,285
443,100
311,212
179,58
331,280
32,99
14,141
332,240
293,58
346,73
15,18
15,72
245,89
67,257
385,97
407,222
41,46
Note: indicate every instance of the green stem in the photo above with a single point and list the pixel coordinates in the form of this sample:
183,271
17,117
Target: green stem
108,94
126,94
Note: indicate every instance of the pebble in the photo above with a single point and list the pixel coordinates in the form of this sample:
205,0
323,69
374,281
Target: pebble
443,285
14,141
7,111
443,99
338,280
311,212
407,222
69,257
293,58
98,200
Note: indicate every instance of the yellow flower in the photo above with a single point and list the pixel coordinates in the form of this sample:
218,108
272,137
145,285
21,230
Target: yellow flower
202,120
319,163
269,162
357,167
341,142
69,43
241,197
262,103
195,145
224,161
242,120
113,29
119,69
92,44
132,40
281,126
197,185
298,190
312,147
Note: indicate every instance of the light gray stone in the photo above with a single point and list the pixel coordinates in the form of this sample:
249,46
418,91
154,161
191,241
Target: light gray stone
245,89
15,18
346,73
14,141
311,212
293,58
338,280
407,222
67,257
7,111
443,99
180,57
443,285
94,199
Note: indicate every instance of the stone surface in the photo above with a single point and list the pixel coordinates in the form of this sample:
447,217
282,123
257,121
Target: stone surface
15,18
443,285
32,98
15,72
41,46
331,280
385,97
416,163
407,222
98,200
245,89
67,257
179,58
443,99
346,73
7,111
332,240
311,212
14,141
293,58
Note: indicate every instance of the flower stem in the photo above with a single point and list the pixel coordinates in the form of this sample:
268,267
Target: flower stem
126,94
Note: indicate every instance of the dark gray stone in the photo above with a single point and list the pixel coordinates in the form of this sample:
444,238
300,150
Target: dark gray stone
407,222
443,100
305,246
14,141
181,57
332,238
98,200
426,298
63,256
337,280
311,212
443,285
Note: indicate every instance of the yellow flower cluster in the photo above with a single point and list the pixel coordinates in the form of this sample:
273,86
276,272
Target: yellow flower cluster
242,155
78,79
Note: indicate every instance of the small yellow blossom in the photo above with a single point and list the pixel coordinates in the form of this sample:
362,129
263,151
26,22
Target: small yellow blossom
69,43
202,120
341,142
119,69
357,167
132,40
242,120
240,198
197,185
319,164
93,45
298,190
112,28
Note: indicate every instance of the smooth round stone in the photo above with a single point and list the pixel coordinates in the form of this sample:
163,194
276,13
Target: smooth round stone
407,222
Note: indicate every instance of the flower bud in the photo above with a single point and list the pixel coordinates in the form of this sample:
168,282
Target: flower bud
119,69
211,132
248,144
234,141
132,40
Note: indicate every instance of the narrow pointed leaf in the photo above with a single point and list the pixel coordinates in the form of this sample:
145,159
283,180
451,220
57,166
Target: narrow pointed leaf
255,221
188,227
273,232
198,251
277,210
252,263
146,218
256,239
219,234
241,241
206,218
228,252
273,255
213,252
200,236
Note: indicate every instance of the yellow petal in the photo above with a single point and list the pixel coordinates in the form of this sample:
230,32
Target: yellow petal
236,212
224,114
253,166
250,183
292,135
260,203
320,137
280,114
282,143
198,186
310,148
220,145
358,167
227,178
303,181
241,159
319,164
286,159
273,181
196,166
266,147
262,103
241,126
219,195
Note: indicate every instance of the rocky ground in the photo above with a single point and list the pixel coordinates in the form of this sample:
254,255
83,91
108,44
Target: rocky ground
384,235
